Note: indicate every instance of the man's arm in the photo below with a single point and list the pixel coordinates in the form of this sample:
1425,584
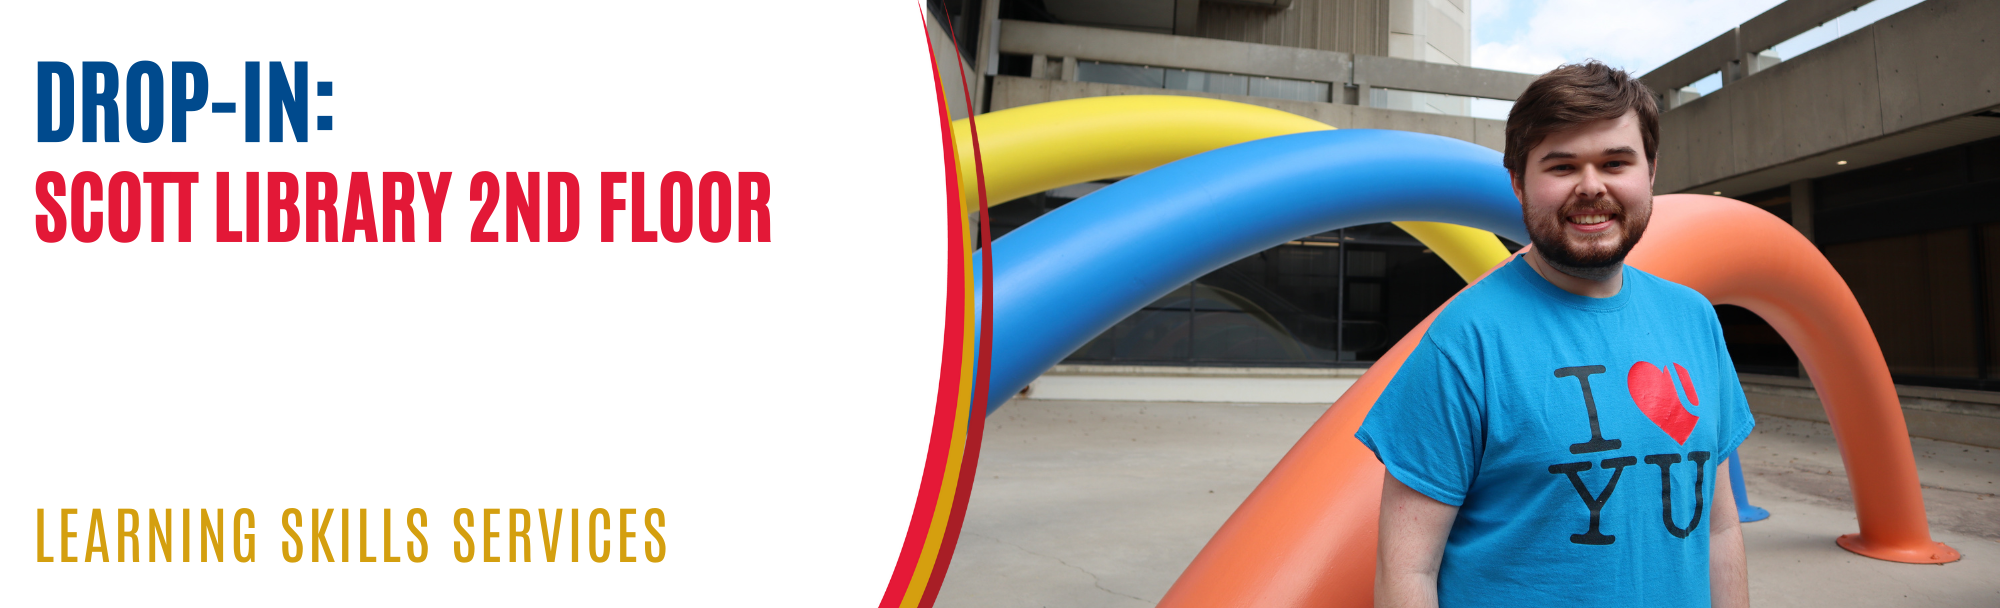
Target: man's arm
1410,546
1728,570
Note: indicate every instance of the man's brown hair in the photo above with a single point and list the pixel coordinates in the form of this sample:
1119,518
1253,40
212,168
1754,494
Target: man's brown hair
1572,95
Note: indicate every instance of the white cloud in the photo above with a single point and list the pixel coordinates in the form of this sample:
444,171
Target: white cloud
1494,109
1515,58
1636,36
1491,10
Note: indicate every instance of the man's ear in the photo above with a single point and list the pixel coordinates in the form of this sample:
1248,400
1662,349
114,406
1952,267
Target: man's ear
1514,179
1652,172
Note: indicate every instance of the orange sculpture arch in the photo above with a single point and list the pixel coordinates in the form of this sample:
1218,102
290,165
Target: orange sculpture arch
1306,535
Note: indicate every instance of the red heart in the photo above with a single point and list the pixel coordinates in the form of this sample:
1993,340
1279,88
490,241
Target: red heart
1653,391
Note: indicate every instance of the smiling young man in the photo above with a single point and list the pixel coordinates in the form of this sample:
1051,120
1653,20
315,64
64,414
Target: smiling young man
1554,438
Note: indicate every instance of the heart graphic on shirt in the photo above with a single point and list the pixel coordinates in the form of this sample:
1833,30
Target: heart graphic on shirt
1653,391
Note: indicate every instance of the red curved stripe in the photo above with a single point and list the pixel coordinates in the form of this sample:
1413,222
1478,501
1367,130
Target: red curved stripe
944,428
975,428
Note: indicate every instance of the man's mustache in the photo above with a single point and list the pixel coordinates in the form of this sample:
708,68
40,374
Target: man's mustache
1603,206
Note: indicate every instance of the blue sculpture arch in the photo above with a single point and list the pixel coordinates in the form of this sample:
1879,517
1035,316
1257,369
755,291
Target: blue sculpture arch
1073,273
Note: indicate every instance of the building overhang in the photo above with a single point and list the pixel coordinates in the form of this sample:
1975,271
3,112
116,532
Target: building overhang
1902,144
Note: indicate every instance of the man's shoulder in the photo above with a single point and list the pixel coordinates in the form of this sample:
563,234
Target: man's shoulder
1664,292
1483,307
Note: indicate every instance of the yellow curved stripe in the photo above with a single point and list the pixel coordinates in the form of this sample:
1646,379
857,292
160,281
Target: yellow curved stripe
1469,251
1044,146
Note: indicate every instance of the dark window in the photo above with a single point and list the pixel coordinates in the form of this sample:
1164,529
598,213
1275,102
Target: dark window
1341,296
1119,73
1754,346
1777,200
1016,65
1917,291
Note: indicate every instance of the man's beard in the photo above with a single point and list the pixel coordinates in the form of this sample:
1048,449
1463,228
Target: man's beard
1551,239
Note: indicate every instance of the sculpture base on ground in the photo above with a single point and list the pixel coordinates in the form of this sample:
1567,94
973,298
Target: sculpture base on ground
1750,514
1937,553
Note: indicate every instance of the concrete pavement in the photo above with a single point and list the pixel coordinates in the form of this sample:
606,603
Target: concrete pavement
1088,504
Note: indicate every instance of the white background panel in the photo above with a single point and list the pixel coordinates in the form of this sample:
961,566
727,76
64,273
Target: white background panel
721,383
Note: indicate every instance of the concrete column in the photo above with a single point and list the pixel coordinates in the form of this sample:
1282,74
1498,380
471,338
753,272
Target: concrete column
1802,207
1068,68
1758,62
1187,15
988,62
1039,70
1675,98
1735,69
1802,219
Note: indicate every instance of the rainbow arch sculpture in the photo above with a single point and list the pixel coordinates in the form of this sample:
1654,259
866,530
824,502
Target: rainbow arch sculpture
1306,536
1045,146
1069,275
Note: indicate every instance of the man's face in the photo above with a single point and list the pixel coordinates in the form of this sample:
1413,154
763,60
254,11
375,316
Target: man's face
1587,193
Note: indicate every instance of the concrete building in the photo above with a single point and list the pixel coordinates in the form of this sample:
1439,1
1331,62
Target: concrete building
1882,145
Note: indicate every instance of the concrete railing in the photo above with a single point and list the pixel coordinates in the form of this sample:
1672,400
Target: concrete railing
1929,63
1054,41
1014,92
1734,52
1413,75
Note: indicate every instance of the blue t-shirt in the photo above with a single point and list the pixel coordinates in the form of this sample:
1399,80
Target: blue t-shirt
1578,436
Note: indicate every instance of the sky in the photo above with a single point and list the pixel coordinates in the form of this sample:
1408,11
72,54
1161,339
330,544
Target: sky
1534,36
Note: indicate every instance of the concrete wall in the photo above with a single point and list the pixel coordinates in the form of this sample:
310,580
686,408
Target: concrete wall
1140,48
1192,384
1421,30
1931,62
1355,27
1431,30
1014,91
1958,416
1434,77
1187,52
